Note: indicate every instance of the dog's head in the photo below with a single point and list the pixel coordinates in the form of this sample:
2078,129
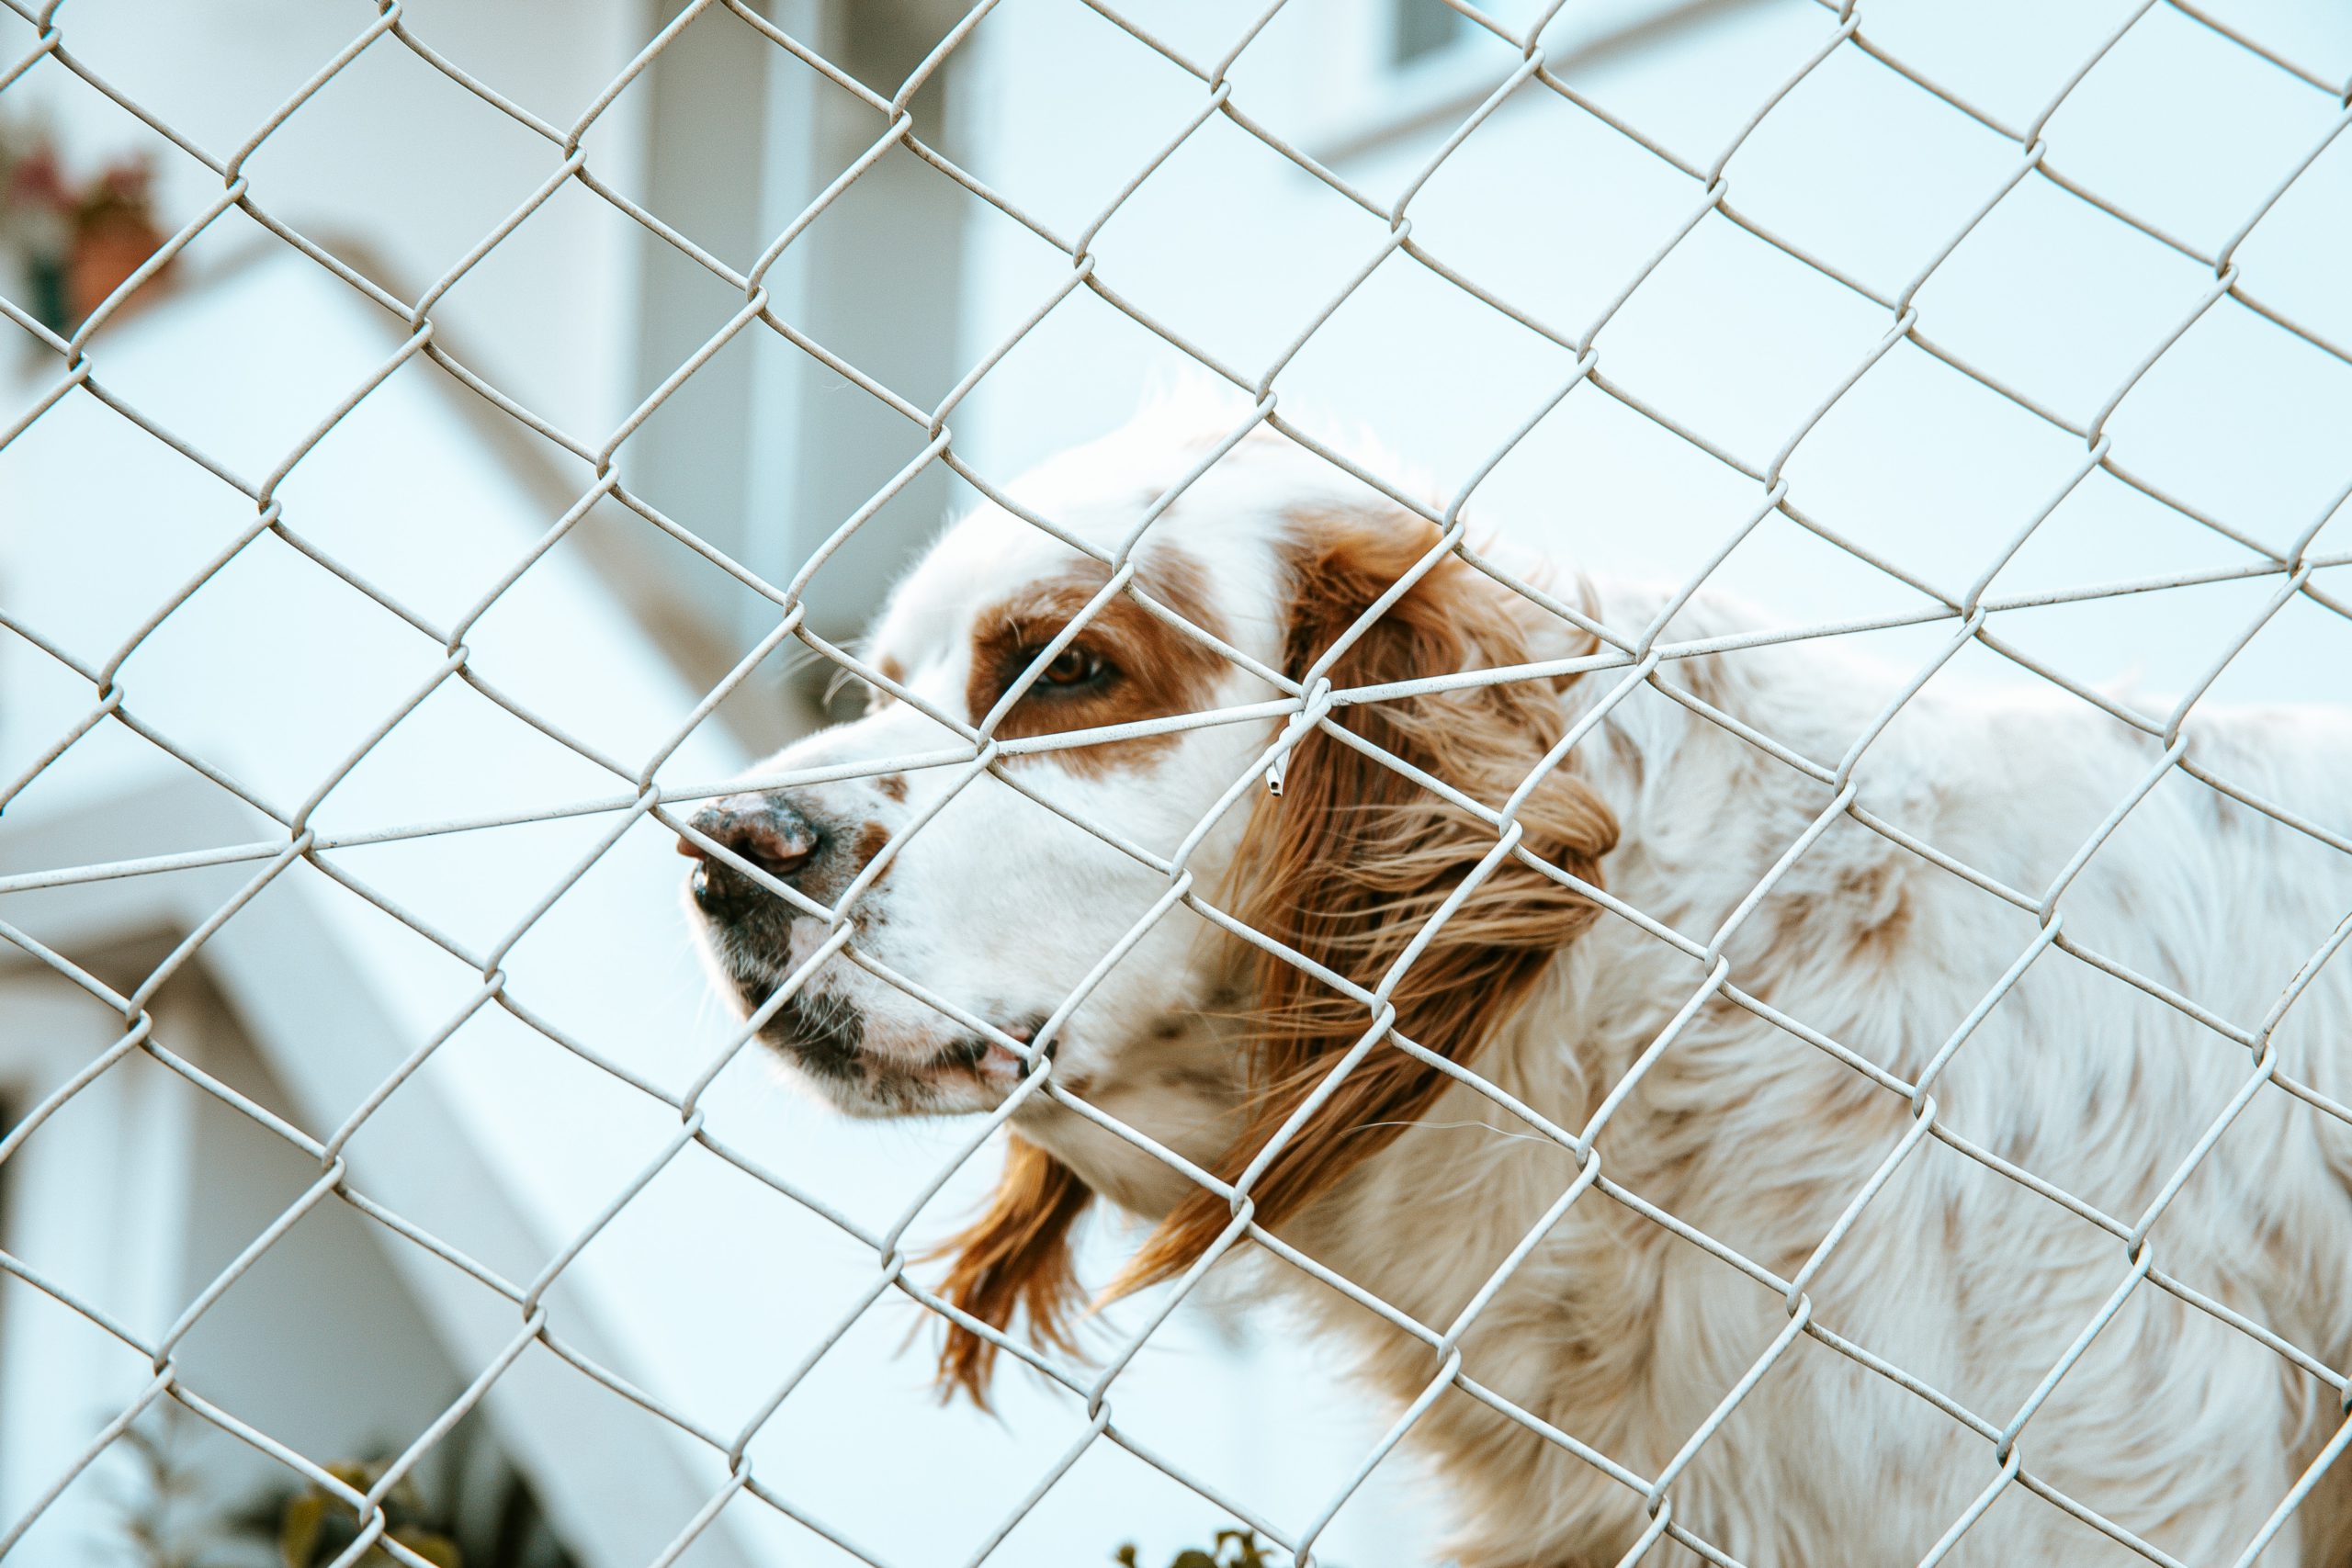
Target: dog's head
924,929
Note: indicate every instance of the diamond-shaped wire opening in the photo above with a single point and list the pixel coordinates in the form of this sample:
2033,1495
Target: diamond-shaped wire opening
1359,371
91,613
2224,147
711,53
1092,73
2287,243
2101,290
2070,556
360,664
1694,100
1598,206
345,139
1903,467
2161,641
1213,288
2006,62
772,1277
1856,137
1785,338
2244,459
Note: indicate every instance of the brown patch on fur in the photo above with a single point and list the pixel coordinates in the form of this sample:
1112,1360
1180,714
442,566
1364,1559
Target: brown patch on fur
1014,1259
1888,939
1155,671
871,836
1882,915
893,787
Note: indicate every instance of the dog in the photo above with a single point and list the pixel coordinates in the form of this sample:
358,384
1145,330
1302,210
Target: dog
1714,1099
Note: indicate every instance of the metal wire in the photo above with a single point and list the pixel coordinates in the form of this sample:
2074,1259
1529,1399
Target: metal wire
1642,660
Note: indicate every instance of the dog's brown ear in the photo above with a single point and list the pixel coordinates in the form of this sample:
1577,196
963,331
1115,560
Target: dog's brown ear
1014,1259
1348,864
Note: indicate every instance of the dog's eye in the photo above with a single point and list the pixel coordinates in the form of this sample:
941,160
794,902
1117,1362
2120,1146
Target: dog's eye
1074,667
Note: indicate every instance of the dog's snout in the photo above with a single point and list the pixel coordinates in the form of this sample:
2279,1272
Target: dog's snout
763,828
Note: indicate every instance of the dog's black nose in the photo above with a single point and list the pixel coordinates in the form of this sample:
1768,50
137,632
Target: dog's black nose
763,829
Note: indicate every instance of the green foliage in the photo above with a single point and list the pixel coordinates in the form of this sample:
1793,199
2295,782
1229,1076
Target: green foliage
465,1507
494,1523
316,1526
1234,1549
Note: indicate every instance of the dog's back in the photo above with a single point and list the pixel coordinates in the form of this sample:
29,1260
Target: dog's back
2117,1153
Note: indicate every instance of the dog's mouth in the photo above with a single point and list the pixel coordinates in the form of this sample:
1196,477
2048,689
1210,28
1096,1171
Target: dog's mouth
869,1062
871,1069
824,1038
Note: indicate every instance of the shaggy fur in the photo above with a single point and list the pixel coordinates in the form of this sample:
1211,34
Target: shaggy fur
1614,1329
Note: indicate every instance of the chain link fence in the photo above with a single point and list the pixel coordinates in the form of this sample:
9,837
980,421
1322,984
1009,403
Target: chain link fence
643,789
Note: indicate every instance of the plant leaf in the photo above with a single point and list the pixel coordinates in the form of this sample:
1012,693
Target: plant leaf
298,1528
435,1549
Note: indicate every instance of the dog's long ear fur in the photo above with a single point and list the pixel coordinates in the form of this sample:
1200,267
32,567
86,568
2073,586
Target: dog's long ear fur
1349,862
1014,1258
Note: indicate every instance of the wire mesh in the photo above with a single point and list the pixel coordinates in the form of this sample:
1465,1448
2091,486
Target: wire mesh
642,787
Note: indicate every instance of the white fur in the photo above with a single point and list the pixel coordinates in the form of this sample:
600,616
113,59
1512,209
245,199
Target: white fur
2176,1426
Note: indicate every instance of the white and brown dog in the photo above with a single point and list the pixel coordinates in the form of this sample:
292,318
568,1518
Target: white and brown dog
1933,1318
